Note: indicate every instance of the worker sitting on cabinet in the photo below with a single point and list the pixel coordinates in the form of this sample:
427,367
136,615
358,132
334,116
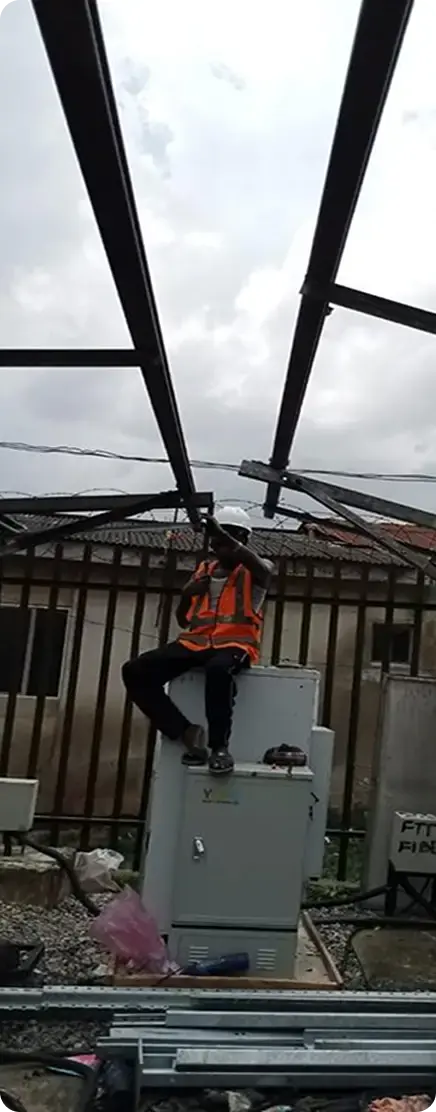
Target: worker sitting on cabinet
220,614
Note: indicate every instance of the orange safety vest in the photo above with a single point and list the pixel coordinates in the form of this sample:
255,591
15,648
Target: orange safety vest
234,622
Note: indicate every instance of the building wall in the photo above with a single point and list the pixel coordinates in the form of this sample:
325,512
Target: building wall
84,717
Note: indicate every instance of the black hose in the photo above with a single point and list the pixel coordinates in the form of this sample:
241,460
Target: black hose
346,901
363,922
66,866
375,921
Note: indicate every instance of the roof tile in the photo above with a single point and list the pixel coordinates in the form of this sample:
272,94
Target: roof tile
405,533
324,544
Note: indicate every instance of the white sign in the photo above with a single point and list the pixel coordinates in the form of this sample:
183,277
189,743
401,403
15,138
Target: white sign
4,4
413,843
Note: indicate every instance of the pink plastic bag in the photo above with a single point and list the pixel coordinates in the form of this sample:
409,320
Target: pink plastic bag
130,933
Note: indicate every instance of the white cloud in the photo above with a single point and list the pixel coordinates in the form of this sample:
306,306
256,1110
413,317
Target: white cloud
228,122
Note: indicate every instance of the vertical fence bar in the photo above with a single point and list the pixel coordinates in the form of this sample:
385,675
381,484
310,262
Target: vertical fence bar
389,621
38,719
347,808
8,727
417,624
67,729
100,704
126,726
164,629
332,640
307,613
279,611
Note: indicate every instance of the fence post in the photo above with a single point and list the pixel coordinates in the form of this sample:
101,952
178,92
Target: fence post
353,725
389,619
70,700
279,610
8,727
417,624
329,675
100,704
306,614
164,629
126,725
35,741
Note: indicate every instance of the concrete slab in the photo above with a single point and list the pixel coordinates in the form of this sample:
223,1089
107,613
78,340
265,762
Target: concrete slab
41,1091
403,959
32,878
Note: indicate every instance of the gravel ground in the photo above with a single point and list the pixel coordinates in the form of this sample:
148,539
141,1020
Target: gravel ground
71,957
75,1037
336,936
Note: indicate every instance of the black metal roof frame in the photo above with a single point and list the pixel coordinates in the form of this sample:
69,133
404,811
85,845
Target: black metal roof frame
73,39
74,42
119,507
339,499
376,48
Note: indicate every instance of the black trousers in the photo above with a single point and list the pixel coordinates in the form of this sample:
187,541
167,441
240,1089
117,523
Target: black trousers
145,679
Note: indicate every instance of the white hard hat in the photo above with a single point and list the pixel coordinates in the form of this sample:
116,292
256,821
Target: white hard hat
235,516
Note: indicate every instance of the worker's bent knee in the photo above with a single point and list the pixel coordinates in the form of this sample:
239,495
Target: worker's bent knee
137,671
130,673
126,672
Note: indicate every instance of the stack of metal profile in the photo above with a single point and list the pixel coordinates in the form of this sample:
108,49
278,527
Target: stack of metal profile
382,1042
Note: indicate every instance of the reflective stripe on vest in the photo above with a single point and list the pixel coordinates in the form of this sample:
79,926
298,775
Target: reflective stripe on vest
199,617
242,626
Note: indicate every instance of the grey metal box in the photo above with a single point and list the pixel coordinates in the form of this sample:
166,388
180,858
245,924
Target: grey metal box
239,856
271,953
403,775
274,706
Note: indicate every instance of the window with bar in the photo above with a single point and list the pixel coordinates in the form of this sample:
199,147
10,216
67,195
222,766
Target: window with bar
391,642
32,642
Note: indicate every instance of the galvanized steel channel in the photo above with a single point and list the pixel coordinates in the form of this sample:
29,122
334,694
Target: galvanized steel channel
195,1039
183,1038
245,1005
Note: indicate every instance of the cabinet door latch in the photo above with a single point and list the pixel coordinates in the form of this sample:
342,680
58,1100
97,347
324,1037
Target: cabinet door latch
198,850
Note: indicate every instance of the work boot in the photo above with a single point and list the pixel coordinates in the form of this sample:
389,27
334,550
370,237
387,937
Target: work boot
221,762
194,740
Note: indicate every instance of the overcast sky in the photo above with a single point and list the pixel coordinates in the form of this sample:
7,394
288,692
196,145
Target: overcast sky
228,114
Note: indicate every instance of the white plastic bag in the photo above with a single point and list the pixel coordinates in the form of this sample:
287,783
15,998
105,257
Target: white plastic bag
95,870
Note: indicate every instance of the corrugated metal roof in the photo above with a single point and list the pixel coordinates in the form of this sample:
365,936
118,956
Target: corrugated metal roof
273,543
414,535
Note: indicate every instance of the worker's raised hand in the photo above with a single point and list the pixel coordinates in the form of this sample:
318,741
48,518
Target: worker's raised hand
212,526
196,588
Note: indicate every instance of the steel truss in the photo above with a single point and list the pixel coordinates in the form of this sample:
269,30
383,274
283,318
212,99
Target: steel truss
377,44
338,499
119,508
74,43
73,39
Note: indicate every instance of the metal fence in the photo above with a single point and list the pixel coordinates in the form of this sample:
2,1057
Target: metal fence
37,668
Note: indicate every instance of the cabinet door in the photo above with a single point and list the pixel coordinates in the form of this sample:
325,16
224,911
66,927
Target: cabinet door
240,856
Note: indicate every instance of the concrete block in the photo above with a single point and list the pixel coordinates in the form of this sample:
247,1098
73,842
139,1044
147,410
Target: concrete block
31,878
